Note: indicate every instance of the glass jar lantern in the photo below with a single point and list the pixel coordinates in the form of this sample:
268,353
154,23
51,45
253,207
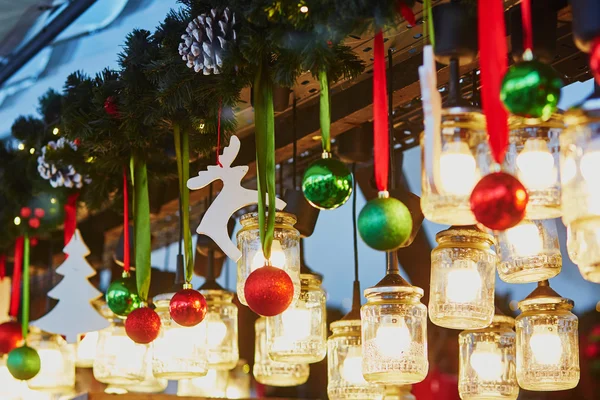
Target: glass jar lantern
179,352
299,334
547,342
213,385
270,372
344,363
57,372
150,384
285,252
86,349
580,180
448,178
119,360
487,361
529,252
10,387
221,327
238,383
394,335
533,157
463,273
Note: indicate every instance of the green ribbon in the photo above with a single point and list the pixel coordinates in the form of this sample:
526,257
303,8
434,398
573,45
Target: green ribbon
141,225
25,321
324,112
429,19
182,152
264,122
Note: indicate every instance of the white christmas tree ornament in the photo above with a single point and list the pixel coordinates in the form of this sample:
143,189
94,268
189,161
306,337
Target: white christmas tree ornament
74,313
231,198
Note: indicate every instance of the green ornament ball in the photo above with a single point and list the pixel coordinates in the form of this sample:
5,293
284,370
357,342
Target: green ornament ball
23,363
531,89
327,183
384,224
122,296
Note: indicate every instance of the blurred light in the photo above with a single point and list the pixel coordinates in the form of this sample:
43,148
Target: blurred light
17,220
32,151
21,146
53,200
55,131
304,9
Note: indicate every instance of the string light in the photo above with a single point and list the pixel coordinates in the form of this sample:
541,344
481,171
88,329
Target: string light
55,131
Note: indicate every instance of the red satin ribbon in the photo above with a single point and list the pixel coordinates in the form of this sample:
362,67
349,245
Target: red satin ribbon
15,294
70,217
2,266
219,133
380,115
493,63
527,28
407,13
126,261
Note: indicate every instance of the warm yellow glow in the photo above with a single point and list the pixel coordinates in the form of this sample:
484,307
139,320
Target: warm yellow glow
546,345
10,388
525,238
177,342
536,165
304,9
351,370
17,221
53,200
55,131
86,349
277,257
51,360
393,339
296,323
458,170
486,360
464,282
216,330
125,352
115,390
568,170
590,165
32,151
21,146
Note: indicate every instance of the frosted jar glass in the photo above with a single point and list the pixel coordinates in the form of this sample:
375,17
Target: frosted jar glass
221,325
285,252
57,372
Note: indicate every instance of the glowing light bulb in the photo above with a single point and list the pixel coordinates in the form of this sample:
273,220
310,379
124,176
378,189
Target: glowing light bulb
10,388
568,170
536,165
458,171
351,370
525,239
464,282
486,360
216,330
590,165
51,360
296,323
175,342
546,345
393,339
124,351
277,257
86,348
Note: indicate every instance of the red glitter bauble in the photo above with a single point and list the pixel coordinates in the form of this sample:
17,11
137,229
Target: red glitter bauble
110,106
187,307
39,212
34,223
499,201
269,291
25,212
142,325
11,336
595,60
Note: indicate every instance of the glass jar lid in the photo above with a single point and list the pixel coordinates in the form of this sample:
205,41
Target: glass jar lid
467,233
162,300
281,217
544,296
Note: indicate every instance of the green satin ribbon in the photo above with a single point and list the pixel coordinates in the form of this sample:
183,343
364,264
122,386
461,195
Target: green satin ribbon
324,112
264,123
25,312
141,225
182,152
429,19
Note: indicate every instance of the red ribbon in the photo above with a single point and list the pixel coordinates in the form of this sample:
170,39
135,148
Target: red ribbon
493,63
126,261
407,13
70,216
219,133
527,28
380,115
2,266
15,294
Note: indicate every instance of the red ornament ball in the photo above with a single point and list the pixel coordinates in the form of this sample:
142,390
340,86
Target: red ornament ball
142,325
269,291
25,212
187,307
110,106
595,60
39,212
11,336
499,201
34,223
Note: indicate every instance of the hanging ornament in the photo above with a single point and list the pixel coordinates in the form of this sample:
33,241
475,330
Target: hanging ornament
327,183
205,40
499,201
143,325
595,60
269,291
10,336
110,106
23,363
384,223
60,176
188,307
121,296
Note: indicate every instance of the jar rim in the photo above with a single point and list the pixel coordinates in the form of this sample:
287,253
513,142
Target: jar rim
312,278
466,111
382,290
163,297
467,230
345,323
282,216
211,293
536,303
557,120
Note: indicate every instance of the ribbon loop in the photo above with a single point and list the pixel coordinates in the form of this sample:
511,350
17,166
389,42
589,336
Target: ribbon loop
380,115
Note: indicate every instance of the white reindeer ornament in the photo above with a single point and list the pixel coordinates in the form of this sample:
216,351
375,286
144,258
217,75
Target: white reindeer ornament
231,198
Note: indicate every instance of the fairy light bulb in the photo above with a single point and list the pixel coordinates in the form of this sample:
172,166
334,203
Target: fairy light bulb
352,367
86,349
546,345
393,338
458,170
464,282
536,165
486,360
216,330
277,257
525,239
296,323
51,359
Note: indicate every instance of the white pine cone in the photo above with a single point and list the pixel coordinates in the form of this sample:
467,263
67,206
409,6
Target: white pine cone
60,176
